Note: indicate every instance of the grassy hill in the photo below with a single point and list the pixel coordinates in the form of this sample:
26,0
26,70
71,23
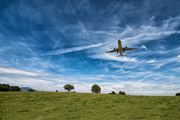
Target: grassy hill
86,106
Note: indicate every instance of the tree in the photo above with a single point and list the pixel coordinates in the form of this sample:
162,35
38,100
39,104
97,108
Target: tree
17,88
96,89
68,87
113,92
31,90
122,93
3,88
177,94
14,88
7,87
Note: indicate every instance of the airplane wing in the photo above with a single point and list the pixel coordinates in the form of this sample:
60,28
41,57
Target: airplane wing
124,49
115,50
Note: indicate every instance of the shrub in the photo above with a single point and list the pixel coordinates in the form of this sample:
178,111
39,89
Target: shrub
56,90
122,93
113,92
14,88
31,90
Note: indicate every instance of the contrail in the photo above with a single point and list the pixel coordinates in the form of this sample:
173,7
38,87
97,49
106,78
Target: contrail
74,11
77,15
7,32
159,55
53,49
62,51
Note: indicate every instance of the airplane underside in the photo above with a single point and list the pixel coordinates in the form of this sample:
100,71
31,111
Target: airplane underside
120,49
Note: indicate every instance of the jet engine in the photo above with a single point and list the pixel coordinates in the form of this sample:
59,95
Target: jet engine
117,51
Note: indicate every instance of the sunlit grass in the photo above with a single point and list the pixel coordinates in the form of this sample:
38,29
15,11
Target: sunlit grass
85,106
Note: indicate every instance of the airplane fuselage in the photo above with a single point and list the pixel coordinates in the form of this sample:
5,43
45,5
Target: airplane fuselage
120,47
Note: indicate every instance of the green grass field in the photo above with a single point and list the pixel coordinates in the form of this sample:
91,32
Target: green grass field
86,106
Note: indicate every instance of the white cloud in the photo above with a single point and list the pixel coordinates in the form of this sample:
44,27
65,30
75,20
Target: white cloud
145,32
144,47
16,71
111,57
151,61
106,69
141,88
178,56
158,63
4,49
56,82
35,83
104,32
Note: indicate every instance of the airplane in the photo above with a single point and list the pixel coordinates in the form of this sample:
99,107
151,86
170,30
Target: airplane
120,49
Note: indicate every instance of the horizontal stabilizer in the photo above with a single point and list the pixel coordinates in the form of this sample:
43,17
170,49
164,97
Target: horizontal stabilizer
121,55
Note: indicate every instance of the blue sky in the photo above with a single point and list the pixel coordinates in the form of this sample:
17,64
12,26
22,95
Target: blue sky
46,44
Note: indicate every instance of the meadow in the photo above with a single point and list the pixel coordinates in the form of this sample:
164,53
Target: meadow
86,106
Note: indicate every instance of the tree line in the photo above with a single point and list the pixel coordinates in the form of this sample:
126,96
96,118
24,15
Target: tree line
94,89
7,87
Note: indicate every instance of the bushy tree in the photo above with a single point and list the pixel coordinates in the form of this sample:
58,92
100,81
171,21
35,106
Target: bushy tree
31,90
122,93
14,88
177,94
4,87
68,87
113,92
7,87
96,89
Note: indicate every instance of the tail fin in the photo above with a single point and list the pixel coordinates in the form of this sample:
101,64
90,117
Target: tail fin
121,55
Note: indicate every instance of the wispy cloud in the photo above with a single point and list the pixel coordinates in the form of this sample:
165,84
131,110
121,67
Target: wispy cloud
16,71
33,48
151,61
111,57
162,62
35,83
144,47
84,83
